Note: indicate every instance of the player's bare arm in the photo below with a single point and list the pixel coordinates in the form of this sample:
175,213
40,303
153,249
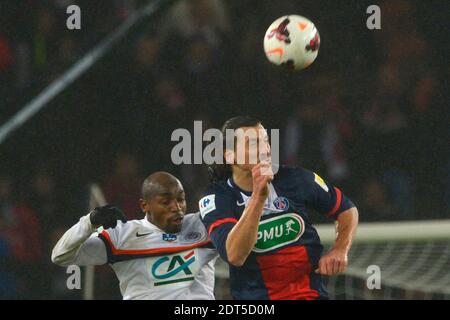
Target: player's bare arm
336,260
242,237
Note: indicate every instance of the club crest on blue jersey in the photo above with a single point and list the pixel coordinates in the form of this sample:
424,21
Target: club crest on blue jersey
169,237
281,203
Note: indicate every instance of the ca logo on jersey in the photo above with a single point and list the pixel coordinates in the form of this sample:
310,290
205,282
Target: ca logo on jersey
173,269
279,231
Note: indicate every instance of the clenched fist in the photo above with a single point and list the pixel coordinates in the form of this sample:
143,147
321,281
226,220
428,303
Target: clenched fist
261,175
333,262
106,216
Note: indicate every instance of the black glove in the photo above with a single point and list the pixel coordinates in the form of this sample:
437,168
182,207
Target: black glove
107,216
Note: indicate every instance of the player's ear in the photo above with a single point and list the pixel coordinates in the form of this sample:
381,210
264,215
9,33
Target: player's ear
143,205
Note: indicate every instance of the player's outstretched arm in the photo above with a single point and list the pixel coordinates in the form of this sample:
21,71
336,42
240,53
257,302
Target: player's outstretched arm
77,246
336,260
243,236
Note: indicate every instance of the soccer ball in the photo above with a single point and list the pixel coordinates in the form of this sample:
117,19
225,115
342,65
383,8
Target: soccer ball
292,41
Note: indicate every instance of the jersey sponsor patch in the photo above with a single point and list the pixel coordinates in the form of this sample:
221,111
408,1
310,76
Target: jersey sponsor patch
278,232
169,237
174,268
207,204
320,182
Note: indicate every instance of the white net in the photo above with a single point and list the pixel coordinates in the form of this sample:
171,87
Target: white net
409,270
413,259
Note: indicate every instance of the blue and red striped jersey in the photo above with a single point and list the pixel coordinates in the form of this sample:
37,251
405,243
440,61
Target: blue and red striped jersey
288,248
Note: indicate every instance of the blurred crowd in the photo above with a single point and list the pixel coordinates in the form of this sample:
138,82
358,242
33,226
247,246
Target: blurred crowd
370,114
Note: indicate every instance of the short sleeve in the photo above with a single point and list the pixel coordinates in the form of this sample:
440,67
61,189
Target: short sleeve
321,195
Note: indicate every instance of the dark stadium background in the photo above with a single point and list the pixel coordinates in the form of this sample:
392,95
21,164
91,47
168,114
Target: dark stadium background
370,115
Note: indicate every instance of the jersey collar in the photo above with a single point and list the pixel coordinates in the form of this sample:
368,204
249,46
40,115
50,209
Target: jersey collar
269,206
233,185
150,225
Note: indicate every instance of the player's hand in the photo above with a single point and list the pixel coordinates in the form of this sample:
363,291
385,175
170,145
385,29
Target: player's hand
333,262
262,174
106,216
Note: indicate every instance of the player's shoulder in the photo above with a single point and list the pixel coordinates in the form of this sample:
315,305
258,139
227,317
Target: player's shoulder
192,224
123,229
219,191
219,197
218,187
305,179
310,181
194,232
128,225
191,219
290,172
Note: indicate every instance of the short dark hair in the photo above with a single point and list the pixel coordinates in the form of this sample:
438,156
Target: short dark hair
218,172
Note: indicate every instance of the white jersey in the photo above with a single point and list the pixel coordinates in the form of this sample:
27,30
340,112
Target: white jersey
149,263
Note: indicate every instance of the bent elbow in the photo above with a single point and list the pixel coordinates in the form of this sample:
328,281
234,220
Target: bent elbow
355,213
55,258
58,259
236,261
235,255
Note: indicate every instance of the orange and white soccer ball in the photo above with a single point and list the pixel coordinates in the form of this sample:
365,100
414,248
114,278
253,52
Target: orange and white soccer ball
292,41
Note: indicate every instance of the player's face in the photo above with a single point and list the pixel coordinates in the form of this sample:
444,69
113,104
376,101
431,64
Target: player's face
251,147
166,210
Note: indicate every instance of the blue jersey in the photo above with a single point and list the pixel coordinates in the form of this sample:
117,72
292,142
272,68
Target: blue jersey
287,251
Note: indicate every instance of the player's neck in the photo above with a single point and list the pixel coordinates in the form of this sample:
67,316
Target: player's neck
149,219
243,179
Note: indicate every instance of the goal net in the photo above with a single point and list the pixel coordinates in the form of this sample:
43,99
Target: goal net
412,260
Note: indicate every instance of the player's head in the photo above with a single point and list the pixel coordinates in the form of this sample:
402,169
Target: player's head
245,144
163,201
